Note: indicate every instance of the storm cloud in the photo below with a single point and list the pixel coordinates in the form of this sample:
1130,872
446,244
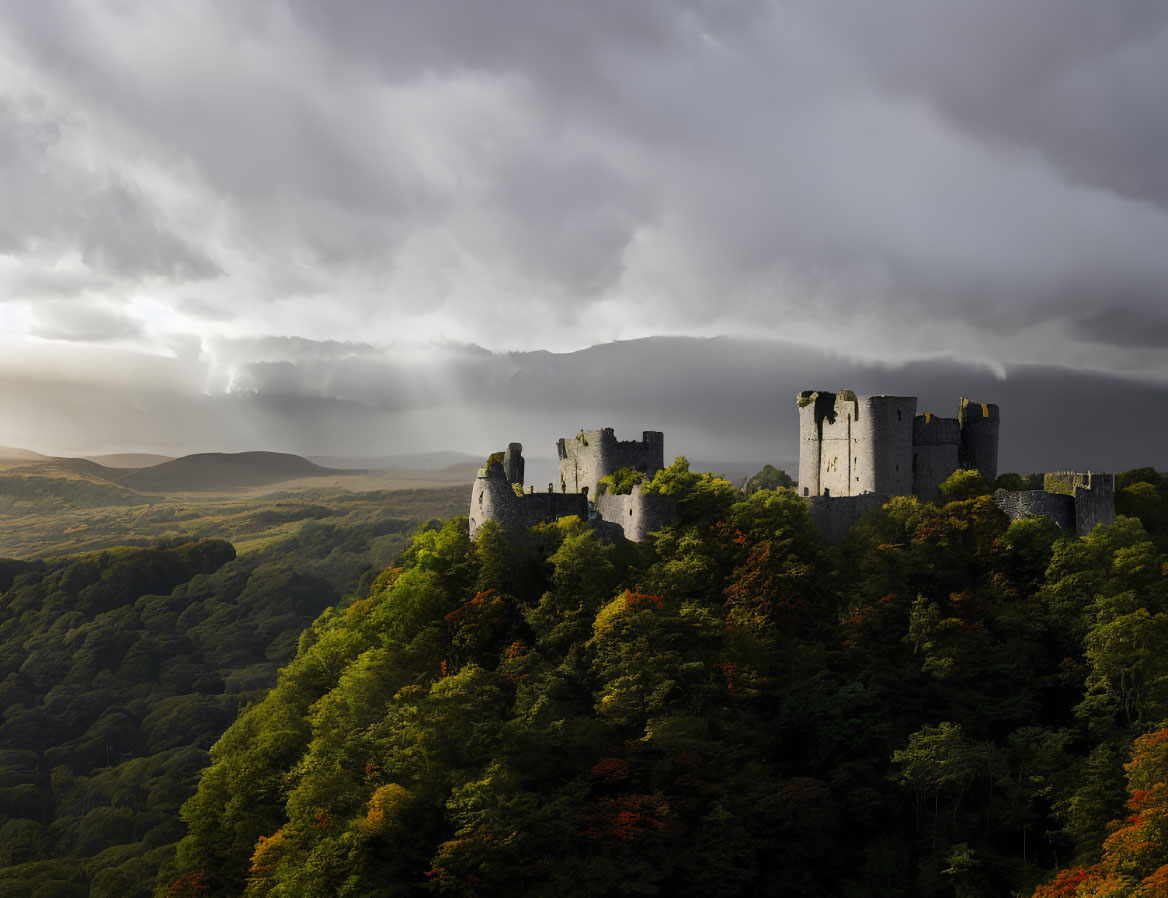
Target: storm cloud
374,206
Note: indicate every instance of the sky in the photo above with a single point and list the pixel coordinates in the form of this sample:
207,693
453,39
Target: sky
371,227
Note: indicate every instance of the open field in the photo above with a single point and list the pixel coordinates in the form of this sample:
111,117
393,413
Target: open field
63,506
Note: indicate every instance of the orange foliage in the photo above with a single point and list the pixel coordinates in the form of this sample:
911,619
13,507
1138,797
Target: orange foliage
1135,855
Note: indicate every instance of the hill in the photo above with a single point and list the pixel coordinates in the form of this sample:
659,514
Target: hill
210,471
10,453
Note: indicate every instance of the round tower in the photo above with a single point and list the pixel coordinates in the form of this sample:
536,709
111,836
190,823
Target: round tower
979,437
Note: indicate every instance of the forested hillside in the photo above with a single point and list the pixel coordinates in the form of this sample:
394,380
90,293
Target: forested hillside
942,706
118,671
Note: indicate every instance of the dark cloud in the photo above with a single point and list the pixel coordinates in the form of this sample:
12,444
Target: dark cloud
1125,326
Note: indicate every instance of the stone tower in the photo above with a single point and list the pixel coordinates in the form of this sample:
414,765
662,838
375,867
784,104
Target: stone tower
936,451
850,445
979,437
593,454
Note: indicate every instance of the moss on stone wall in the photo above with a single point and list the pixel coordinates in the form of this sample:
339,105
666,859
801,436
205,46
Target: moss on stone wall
1053,483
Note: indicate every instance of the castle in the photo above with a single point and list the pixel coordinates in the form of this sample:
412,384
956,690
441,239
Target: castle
855,453
852,445
497,494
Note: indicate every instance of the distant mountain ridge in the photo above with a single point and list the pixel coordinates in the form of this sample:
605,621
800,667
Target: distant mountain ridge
411,461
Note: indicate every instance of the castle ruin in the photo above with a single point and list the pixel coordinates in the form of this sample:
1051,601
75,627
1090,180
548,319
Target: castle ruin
855,452
498,493
853,445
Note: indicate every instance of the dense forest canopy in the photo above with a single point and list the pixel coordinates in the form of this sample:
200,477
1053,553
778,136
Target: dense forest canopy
118,671
944,705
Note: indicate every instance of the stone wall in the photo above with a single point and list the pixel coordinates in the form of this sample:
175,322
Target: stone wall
493,498
593,454
636,514
1038,503
1093,492
835,516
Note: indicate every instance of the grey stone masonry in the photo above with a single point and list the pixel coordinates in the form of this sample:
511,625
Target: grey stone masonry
584,460
936,443
979,437
593,454
852,445
1075,500
1093,492
636,514
1019,504
493,498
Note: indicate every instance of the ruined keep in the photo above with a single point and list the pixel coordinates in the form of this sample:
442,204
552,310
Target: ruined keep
853,445
593,454
498,495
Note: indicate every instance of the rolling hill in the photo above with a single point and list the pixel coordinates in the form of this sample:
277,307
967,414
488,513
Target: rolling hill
208,471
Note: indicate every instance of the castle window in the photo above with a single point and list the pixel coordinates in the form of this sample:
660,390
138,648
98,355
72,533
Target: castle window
898,467
826,491
806,491
898,418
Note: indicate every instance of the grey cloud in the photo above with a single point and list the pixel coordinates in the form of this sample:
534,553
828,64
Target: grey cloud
517,166
1125,326
1081,82
56,205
